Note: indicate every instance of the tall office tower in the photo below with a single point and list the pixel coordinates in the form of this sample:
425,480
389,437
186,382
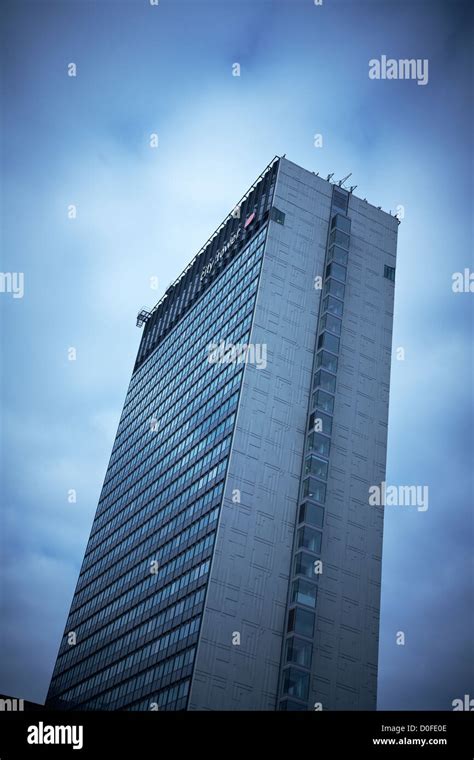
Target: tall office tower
234,561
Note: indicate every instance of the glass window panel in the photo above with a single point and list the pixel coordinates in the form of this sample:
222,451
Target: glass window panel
335,288
311,513
331,323
320,423
319,444
339,237
299,650
325,381
314,489
340,199
326,361
336,270
338,254
277,215
324,401
309,538
316,467
329,341
333,306
341,222
301,621
296,683
304,592
304,565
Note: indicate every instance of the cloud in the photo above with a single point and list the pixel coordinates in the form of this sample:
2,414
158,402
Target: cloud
143,213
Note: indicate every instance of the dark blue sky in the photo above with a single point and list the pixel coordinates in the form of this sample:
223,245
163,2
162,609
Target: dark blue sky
144,213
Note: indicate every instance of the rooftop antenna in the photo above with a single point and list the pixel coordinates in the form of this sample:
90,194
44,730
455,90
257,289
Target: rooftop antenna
329,177
341,181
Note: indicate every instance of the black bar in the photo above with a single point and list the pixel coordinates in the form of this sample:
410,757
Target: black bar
158,734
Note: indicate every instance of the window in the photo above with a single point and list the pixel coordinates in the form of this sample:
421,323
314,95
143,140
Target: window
340,238
341,222
329,341
277,215
301,621
326,361
333,306
319,444
311,513
335,288
389,273
314,489
336,270
304,592
333,324
296,683
340,199
299,650
324,381
304,565
338,255
320,423
309,538
316,467
324,401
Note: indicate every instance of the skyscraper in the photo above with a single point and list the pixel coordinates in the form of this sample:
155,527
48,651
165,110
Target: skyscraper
234,561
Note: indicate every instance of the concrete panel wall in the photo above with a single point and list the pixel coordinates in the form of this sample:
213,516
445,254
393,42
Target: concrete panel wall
249,577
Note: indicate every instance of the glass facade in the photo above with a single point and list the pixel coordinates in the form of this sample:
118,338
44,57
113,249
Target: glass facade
131,636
